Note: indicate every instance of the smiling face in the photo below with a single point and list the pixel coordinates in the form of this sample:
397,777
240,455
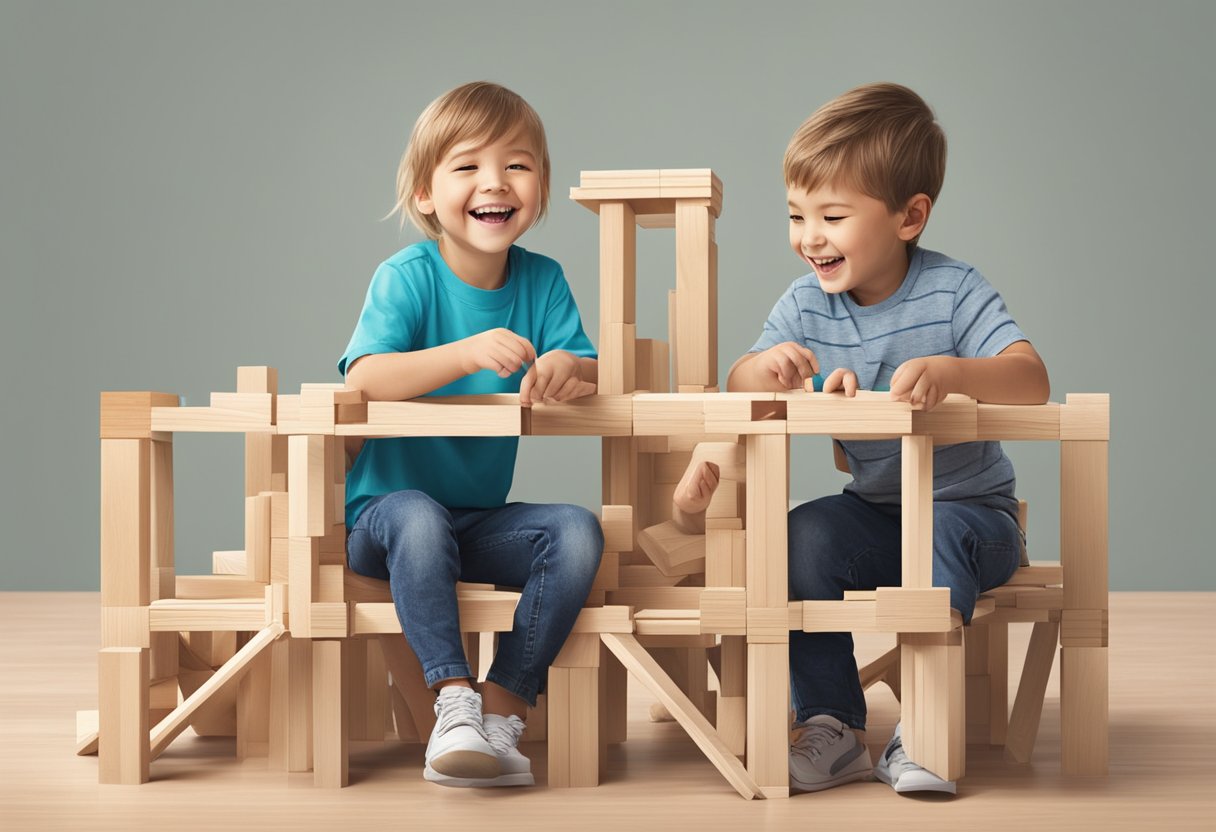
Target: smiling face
853,242
485,196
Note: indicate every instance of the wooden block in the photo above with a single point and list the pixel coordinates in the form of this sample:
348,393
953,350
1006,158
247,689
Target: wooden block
1084,628
998,682
310,480
329,620
617,524
559,702
599,415
608,576
126,548
1040,598
225,616
725,556
580,650
673,327
123,753
161,511
279,558
304,578
584,725
438,416
768,721
290,728
124,627
279,511
665,598
673,551
997,422
257,380
618,264
726,503
614,619
1085,416
128,415
1028,705
86,733
1037,574
900,610
330,723
869,415
768,625
730,457
697,354
955,419
643,357
744,413
253,709
1084,710
667,414
670,467
229,563
933,711
917,514
724,611
1084,523
617,360
257,538
838,616
408,679
767,506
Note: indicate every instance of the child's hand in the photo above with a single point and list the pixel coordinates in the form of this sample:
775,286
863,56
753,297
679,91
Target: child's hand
841,379
696,488
790,363
500,350
555,377
925,381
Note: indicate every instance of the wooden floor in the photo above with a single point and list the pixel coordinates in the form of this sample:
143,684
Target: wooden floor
1162,750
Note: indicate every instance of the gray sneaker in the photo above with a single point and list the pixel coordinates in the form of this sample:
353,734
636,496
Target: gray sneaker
458,753
827,754
897,771
503,733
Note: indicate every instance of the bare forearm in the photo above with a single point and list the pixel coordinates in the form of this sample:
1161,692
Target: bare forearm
589,370
1013,377
396,376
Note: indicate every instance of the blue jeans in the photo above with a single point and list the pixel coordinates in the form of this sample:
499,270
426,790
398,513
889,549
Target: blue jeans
422,549
844,542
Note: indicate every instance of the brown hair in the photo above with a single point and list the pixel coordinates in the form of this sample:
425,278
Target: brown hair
880,139
479,112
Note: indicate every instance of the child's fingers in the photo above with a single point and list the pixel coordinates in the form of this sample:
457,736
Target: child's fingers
525,387
850,384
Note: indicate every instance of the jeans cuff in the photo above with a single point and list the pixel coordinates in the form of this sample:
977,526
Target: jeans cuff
440,673
854,721
525,689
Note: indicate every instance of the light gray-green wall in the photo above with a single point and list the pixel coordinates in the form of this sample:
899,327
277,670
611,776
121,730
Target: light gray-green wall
185,187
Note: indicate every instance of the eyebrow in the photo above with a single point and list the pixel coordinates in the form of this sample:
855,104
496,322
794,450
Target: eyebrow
826,206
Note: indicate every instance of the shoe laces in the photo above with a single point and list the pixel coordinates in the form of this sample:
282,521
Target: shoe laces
503,734
460,708
816,735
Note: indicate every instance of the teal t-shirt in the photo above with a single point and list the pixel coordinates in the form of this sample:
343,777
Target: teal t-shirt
416,302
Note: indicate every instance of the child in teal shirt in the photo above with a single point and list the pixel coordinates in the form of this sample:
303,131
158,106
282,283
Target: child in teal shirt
469,312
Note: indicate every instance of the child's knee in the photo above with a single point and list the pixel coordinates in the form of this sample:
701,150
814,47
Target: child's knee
580,534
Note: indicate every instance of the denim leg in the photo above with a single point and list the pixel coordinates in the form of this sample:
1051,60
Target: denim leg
407,539
974,549
835,543
552,552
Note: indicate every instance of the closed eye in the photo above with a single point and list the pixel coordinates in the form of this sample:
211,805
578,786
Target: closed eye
518,166
795,218
467,167
832,219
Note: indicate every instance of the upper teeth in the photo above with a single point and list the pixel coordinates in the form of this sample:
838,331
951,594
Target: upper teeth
492,209
823,261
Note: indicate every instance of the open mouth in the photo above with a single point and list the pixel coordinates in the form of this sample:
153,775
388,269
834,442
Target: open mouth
492,214
826,265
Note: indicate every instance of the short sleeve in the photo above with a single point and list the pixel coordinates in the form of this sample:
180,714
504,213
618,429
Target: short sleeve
982,325
563,327
390,320
784,323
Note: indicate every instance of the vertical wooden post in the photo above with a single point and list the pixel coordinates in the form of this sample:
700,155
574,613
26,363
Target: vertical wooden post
696,312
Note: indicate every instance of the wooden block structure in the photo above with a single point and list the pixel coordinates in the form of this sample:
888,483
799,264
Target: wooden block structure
297,656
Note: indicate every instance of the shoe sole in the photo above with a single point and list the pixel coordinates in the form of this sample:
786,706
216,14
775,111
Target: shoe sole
915,784
798,785
466,765
432,776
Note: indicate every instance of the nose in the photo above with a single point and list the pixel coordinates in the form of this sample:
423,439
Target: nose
492,180
812,237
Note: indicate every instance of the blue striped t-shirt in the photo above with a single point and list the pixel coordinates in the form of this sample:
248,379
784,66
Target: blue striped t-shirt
943,307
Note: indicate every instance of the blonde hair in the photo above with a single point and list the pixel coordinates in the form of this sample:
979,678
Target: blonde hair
879,139
476,112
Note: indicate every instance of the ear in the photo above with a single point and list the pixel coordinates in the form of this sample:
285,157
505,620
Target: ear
424,202
914,216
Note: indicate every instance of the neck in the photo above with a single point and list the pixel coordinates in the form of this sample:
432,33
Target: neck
878,290
476,268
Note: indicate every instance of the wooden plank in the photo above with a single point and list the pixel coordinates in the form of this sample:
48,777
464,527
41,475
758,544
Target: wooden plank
999,422
697,356
1084,523
917,513
172,725
1032,688
128,415
599,415
126,511
330,722
768,717
1084,710
767,506
1085,416
647,671
618,264
867,416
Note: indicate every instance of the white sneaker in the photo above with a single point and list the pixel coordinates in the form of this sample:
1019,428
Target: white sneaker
896,770
827,753
458,753
503,733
